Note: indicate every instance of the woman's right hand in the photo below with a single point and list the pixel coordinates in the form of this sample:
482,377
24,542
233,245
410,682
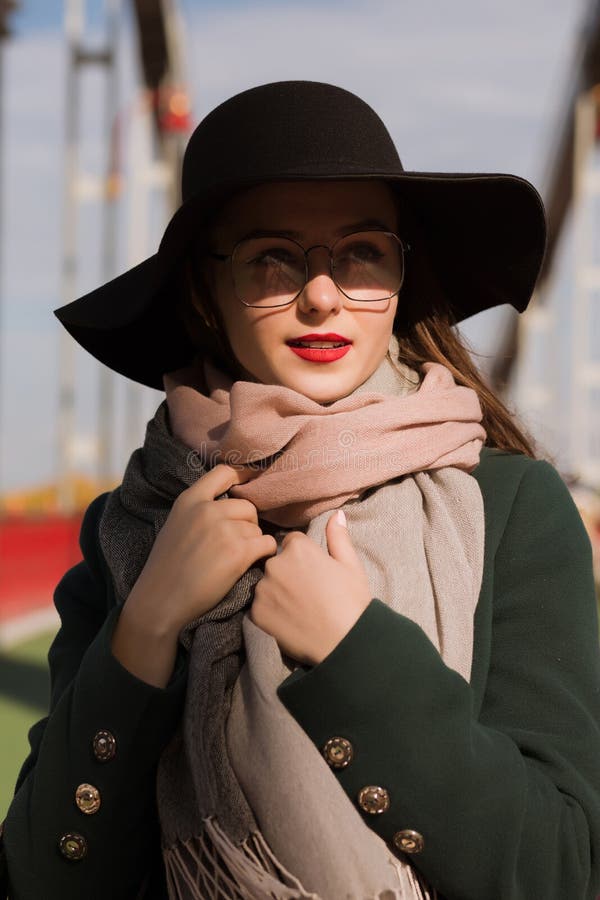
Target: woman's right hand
204,546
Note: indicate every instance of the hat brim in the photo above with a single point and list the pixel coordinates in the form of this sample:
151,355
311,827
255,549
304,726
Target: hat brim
486,239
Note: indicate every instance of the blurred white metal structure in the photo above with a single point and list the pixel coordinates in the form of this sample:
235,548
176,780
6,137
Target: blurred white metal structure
80,187
585,354
7,7
571,191
148,177
157,126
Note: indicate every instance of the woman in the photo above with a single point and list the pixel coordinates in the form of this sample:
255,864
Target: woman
253,696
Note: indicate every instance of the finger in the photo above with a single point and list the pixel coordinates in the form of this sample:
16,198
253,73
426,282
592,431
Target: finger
218,480
339,542
236,508
258,547
291,535
247,529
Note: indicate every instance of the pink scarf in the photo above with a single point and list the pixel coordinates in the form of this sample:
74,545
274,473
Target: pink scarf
323,455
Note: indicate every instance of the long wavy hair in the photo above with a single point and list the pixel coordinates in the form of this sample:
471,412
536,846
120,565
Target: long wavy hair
425,326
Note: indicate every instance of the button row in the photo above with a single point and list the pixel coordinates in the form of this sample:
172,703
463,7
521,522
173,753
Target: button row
372,799
73,845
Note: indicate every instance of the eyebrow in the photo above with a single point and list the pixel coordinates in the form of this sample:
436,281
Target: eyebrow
296,235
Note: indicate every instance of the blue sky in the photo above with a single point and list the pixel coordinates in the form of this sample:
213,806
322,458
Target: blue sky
42,15
469,86
47,15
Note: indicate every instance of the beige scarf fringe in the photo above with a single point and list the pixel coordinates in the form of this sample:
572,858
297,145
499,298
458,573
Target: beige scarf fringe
257,873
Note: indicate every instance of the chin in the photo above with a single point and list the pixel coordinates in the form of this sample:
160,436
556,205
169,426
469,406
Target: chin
322,387
323,397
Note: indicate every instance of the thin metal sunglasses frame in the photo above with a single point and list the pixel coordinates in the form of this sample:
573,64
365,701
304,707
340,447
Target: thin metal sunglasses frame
404,247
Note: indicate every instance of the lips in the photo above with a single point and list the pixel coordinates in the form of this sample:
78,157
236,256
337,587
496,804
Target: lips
329,338
325,347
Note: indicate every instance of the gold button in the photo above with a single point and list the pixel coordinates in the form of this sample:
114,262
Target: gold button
408,841
104,745
338,752
87,798
373,799
73,846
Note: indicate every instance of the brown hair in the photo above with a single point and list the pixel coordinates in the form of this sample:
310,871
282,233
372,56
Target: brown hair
424,326
434,339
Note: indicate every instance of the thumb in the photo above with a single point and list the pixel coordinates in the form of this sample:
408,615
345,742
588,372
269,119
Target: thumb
339,542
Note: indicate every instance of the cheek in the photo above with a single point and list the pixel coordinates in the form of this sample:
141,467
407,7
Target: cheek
240,337
384,323
239,327
230,308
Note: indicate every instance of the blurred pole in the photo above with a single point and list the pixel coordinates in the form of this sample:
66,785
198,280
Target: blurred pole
584,429
2,36
109,239
66,349
75,191
6,7
144,178
174,139
159,134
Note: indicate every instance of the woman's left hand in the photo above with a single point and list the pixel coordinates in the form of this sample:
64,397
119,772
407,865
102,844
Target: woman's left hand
308,598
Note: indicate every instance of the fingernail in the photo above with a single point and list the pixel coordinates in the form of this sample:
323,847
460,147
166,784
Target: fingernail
341,517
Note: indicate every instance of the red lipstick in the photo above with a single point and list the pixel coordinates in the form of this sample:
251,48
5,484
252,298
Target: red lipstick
310,346
328,336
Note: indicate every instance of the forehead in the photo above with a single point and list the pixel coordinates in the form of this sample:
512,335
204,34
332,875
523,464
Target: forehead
307,208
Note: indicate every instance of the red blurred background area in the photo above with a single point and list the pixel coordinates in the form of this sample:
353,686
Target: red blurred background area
35,552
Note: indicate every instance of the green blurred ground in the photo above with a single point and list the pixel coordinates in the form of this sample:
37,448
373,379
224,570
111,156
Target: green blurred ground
24,691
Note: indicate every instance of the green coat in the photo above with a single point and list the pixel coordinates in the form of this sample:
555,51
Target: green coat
500,777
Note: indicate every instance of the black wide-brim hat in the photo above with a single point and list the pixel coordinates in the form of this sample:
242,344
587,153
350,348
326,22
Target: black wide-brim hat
485,233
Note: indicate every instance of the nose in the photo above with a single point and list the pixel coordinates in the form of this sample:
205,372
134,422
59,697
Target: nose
320,291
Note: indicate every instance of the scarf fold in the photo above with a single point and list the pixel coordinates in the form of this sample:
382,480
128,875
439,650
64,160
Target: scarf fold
249,808
324,455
